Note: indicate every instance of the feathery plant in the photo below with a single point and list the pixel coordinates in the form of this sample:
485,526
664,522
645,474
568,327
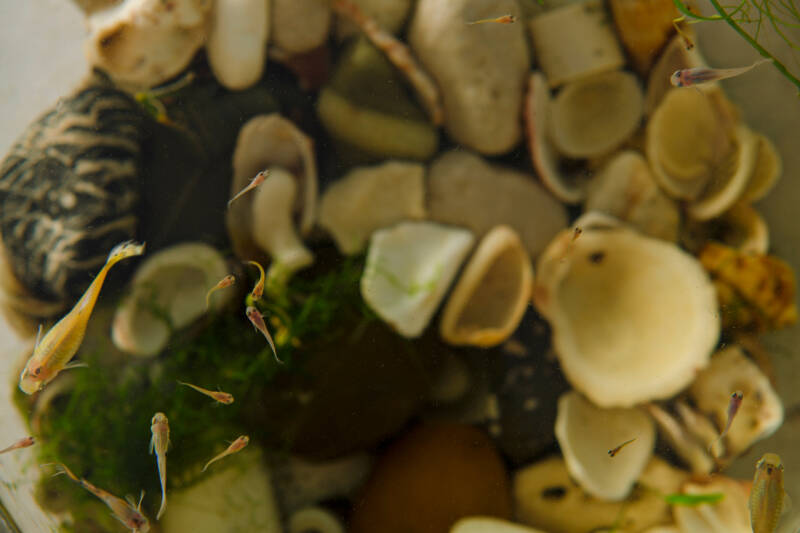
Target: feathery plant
748,17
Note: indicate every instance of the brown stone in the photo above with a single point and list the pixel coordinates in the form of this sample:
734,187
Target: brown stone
429,479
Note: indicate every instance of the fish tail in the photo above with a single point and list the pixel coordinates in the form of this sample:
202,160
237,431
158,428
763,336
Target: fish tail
62,469
124,250
162,474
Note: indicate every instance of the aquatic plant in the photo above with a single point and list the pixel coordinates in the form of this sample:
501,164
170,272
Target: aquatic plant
100,427
781,15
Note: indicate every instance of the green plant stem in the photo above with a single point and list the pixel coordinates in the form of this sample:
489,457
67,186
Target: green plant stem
760,49
723,15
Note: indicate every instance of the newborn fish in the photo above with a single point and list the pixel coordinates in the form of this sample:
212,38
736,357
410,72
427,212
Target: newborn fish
255,182
221,397
159,442
224,283
235,446
258,321
733,408
615,451
505,19
699,75
258,289
59,345
767,496
21,443
130,516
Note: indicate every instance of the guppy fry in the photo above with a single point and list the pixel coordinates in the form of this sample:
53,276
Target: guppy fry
688,77
258,322
21,443
224,283
733,408
258,288
505,19
222,397
235,446
255,182
52,354
767,495
613,452
130,516
159,443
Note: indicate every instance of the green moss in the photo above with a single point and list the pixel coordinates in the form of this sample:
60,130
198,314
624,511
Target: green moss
101,427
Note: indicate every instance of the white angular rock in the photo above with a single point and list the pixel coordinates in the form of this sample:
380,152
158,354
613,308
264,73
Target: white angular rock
592,116
480,69
237,41
273,227
730,515
409,268
272,142
585,432
300,25
143,43
761,411
225,500
568,188
168,292
370,198
576,41
486,524
626,189
465,190
546,497
633,318
316,519
488,302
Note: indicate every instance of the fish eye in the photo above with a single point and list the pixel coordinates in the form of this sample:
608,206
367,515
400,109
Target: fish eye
37,371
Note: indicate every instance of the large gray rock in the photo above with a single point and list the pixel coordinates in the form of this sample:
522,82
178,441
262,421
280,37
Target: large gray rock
480,69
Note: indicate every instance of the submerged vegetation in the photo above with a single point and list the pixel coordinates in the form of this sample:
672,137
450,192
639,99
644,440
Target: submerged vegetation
100,426
747,17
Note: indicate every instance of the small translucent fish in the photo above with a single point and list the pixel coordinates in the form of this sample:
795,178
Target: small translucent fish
221,397
255,182
258,321
224,283
505,19
21,443
258,288
577,233
131,516
235,446
688,77
52,353
615,451
733,408
767,495
159,442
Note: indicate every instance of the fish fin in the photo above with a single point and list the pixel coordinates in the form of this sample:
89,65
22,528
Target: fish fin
272,344
75,364
152,444
38,337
